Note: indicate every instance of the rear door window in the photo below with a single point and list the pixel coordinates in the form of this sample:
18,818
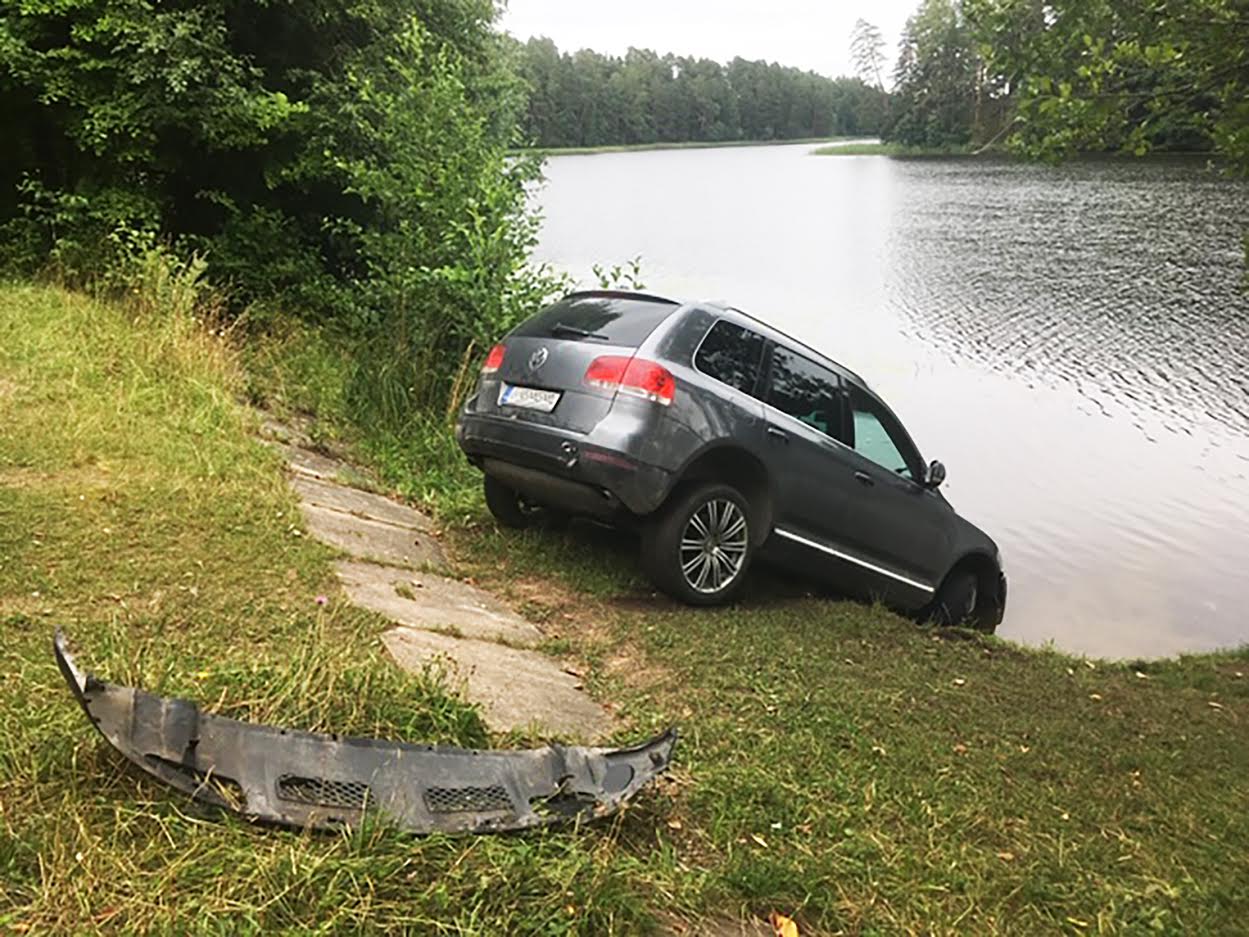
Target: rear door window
609,320
806,391
732,355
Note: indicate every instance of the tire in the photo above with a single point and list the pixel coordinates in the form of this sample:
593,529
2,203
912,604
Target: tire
955,602
698,547
513,510
506,505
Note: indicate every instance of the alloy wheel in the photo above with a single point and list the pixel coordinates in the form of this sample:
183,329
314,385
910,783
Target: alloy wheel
714,545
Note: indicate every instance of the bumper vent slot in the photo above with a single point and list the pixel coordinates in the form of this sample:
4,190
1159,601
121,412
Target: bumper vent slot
323,792
467,799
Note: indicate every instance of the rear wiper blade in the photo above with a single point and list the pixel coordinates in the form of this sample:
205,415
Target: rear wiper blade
562,328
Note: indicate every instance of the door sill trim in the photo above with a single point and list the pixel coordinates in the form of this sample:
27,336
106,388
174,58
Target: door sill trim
850,558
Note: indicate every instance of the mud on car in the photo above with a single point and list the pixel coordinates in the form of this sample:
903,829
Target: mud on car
723,440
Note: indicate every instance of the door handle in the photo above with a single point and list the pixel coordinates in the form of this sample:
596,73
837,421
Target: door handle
778,435
864,479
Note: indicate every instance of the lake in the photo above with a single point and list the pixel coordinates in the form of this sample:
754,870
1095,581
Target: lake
1072,342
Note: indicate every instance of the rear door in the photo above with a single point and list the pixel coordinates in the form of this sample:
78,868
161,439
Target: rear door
805,414
541,377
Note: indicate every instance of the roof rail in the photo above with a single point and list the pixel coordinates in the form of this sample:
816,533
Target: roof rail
797,341
621,294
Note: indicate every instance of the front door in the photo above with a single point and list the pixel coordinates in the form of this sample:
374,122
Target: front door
893,522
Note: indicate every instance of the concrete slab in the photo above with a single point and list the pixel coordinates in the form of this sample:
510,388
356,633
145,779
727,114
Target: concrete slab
423,600
367,539
347,500
288,433
312,464
515,688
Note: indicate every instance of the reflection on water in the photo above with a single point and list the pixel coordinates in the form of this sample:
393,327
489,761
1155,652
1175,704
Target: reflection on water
1073,343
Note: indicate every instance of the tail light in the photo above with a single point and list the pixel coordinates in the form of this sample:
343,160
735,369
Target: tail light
635,376
494,360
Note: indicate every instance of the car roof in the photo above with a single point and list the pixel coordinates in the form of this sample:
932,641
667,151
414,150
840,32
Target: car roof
778,335
720,308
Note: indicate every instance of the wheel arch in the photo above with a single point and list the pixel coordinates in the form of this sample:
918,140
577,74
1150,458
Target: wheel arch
736,466
985,568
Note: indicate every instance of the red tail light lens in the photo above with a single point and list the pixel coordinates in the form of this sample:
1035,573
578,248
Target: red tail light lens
494,360
635,376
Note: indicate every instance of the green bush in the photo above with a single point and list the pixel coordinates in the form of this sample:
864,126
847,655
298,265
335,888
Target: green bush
343,162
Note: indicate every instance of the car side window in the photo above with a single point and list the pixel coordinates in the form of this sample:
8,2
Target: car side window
732,355
806,391
877,435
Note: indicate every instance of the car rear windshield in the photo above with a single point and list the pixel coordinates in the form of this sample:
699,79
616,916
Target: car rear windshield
612,320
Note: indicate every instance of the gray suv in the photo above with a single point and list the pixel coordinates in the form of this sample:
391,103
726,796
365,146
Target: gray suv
724,440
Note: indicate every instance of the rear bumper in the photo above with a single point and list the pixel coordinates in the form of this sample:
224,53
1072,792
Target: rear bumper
561,468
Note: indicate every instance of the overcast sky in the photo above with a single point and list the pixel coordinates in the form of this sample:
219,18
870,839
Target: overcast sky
807,34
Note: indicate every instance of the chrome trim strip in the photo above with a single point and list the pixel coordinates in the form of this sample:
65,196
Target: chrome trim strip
788,535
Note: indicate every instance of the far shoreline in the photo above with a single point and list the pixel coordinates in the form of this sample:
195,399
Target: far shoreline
687,145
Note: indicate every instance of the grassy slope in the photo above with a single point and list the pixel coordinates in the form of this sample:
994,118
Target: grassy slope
883,778
836,762
136,510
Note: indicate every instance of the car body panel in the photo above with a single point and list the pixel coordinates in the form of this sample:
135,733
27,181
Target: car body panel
314,780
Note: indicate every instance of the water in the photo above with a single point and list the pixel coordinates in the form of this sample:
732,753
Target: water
1073,343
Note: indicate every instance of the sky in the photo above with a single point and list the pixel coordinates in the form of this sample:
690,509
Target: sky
807,34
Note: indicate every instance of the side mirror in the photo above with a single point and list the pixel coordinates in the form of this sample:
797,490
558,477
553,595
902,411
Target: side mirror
936,475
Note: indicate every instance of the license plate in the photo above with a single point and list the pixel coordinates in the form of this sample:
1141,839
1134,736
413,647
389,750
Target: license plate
531,398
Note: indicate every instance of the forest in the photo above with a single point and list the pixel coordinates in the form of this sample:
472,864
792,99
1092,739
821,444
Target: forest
584,99
1042,79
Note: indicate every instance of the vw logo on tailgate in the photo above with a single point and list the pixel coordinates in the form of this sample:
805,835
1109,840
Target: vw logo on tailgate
538,359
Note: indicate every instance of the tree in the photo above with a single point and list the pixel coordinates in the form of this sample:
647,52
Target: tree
867,49
344,161
1100,74
937,82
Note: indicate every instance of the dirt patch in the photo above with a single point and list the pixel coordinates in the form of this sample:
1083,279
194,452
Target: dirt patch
546,593
82,478
643,603
636,671
713,926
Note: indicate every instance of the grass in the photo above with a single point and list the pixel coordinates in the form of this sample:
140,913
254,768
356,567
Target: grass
687,145
837,763
891,149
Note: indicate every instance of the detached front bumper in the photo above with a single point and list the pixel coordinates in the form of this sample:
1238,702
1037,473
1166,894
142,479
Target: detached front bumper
560,468
308,779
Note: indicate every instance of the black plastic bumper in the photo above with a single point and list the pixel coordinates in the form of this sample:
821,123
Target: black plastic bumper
562,470
309,779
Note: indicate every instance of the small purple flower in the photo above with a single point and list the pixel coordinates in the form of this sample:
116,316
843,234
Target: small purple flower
322,600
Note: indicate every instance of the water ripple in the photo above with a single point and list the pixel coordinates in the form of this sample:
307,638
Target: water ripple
1122,280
